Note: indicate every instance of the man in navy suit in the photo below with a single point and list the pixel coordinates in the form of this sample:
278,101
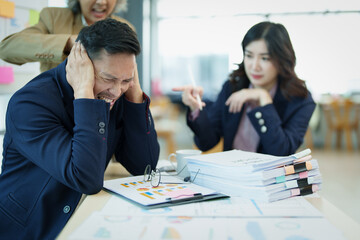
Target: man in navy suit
64,126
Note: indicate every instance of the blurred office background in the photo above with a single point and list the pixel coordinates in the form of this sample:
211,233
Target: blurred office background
207,34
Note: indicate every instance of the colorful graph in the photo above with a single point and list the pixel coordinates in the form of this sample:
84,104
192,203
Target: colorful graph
148,194
255,231
171,185
129,184
157,210
287,225
159,192
170,233
115,218
179,219
102,233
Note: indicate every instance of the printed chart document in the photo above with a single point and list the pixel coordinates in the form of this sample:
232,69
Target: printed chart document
103,226
171,191
229,207
230,218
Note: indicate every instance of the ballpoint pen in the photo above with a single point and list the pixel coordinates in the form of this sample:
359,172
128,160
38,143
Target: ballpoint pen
194,85
186,199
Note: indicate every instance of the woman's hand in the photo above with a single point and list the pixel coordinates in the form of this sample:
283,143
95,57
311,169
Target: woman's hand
237,99
190,95
80,72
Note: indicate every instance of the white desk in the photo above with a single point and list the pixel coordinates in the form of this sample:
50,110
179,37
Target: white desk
349,227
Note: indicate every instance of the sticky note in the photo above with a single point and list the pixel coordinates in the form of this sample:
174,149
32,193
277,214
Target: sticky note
291,184
303,174
311,180
6,75
280,179
295,192
183,193
7,9
289,170
33,17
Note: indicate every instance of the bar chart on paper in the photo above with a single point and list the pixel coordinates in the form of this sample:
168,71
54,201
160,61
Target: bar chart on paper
171,191
139,189
144,227
230,207
231,218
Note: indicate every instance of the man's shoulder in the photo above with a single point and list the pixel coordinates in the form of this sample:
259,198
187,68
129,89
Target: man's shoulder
41,87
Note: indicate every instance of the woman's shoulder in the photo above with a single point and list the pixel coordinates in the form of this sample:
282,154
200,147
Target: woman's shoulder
297,100
123,20
227,84
56,12
308,98
231,87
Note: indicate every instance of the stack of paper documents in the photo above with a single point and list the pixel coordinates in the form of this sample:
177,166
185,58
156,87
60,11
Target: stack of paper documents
257,176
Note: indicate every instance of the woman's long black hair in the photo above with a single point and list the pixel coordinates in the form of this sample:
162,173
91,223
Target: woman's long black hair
282,56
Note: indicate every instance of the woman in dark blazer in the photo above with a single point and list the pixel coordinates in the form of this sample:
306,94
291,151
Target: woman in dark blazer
263,106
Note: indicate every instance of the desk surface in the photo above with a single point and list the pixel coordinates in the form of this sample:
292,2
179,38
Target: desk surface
348,226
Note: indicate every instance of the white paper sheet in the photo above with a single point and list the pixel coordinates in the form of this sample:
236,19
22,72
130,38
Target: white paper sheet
103,226
230,207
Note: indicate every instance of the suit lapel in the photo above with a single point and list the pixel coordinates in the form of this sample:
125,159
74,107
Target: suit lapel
280,103
231,126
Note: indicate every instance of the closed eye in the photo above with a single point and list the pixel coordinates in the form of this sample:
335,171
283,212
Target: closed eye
127,80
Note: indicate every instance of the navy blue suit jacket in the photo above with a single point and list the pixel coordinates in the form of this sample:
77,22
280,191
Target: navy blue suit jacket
57,148
285,121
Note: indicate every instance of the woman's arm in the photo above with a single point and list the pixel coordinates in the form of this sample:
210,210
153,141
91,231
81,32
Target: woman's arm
43,42
281,134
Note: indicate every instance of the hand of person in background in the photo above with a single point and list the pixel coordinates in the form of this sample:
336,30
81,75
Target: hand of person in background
237,99
134,93
69,44
189,96
80,72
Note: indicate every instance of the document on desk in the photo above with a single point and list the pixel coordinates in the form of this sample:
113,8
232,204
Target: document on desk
229,207
105,226
242,162
171,191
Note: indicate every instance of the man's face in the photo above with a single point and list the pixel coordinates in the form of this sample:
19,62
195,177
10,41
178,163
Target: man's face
96,10
114,75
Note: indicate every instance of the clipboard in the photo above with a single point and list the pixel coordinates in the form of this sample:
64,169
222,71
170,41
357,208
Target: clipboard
170,193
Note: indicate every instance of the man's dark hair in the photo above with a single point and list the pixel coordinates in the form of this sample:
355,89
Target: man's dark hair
111,35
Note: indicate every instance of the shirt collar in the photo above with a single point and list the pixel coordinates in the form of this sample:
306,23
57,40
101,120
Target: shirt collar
272,90
83,20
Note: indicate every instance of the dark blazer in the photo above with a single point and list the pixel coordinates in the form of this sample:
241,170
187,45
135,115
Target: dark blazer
57,148
281,133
